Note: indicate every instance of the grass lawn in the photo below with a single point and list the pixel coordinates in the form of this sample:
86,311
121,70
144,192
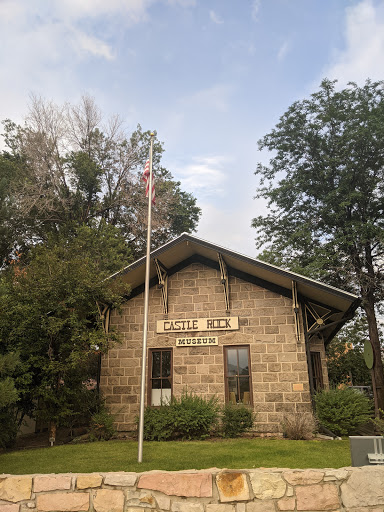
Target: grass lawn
173,456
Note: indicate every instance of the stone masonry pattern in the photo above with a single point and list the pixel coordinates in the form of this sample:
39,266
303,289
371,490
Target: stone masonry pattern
212,490
279,370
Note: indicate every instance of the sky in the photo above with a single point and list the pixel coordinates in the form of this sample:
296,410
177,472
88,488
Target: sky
210,76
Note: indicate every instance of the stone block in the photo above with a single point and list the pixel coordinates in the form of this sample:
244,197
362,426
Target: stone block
43,483
63,501
140,499
107,500
317,497
261,506
286,503
232,486
306,477
213,507
163,502
15,488
186,506
178,484
9,507
89,481
121,479
364,488
267,485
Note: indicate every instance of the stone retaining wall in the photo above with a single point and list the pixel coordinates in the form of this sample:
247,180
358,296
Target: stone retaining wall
212,490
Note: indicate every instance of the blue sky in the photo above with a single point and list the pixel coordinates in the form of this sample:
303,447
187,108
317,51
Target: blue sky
211,76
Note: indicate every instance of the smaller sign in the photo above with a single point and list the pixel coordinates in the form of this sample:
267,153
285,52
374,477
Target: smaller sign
197,342
368,354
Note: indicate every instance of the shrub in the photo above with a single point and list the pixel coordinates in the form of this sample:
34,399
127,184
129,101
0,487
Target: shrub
158,423
187,417
101,426
342,410
236,420
299,425
379,422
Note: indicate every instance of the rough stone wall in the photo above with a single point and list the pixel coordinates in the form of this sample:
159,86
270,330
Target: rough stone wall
212,490
278,362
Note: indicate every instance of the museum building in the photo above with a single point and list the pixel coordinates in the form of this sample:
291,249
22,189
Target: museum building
222,324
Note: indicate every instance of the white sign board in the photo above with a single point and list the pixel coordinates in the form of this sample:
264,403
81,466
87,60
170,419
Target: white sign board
230,323
197,342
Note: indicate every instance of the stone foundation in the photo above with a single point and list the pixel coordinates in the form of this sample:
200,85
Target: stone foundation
211,490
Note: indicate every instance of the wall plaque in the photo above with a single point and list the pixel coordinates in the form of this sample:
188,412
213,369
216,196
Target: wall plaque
229,323
197,342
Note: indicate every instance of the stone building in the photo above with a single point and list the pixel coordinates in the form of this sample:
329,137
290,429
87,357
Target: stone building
226,325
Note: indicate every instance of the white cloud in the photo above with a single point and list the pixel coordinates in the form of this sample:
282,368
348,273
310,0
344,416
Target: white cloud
216,97
205,176
256,4
83,43
183,3
363,56
130,11
283,50
229,227
215,18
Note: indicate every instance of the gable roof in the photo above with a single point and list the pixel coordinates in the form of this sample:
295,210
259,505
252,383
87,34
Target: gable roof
187,249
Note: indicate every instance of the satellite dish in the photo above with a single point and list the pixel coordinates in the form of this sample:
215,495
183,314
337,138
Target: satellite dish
368,354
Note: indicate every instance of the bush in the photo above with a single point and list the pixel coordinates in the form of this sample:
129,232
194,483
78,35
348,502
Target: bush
187,417
379,423
236,420
101,426
342,410
299,426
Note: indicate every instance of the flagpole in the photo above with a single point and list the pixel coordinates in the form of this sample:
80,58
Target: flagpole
145,324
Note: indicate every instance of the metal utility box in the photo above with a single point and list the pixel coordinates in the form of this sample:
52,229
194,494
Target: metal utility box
366,450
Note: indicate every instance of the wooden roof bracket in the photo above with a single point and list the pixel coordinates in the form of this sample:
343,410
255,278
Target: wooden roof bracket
224,279
296,309
162,274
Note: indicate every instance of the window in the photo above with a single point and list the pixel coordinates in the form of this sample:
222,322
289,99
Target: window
317,371
160,376
237,375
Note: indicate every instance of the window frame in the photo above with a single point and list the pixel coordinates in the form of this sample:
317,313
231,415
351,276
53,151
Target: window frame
226,376
150,378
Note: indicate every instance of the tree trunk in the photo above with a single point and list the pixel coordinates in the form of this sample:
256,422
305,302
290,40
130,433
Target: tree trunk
378,374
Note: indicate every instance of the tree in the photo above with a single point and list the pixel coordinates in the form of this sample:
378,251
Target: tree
345,355
72,169
51,309
8,398
325,187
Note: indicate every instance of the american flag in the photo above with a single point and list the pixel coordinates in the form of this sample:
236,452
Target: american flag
146,179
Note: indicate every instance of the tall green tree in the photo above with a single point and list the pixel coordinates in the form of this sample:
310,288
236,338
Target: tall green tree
51,310
73,169
8,398
325,188
345,355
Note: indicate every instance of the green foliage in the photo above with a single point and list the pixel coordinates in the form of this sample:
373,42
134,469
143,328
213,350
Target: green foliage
8,398
345,355
236,419
342,410
64,168
50,309
325,189
101,426
187,417
379,422
299,426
